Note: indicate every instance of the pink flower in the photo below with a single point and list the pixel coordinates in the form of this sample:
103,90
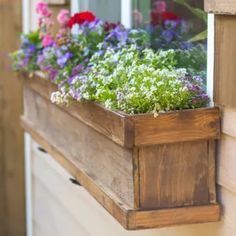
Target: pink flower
160,6
47,40
138,17
63,17
42,9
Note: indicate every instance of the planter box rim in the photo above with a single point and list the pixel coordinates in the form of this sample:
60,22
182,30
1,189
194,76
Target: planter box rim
139,129
41,75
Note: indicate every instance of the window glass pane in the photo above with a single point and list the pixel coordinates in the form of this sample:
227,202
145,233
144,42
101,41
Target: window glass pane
106,10
171,20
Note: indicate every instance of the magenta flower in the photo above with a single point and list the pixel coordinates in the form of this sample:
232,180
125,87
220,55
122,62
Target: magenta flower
42,9
47,40
63,17
160,6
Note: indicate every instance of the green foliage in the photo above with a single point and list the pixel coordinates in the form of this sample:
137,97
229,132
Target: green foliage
201,14
137,81
25,58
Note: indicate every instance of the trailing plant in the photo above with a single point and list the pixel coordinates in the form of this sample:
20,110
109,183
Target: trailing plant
92,60
136,81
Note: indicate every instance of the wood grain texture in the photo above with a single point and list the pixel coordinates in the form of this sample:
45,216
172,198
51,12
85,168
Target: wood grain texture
225,7
128,218
103,160
212,171
144,129
169,127
12,202
174,175
51,184
108,200
225,64
172,217
126,181
112,124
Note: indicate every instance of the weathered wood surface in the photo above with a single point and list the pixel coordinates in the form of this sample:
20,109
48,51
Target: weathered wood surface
12,201
102,159
109,123
140,130
175,175
129,218
124,180
226,7
175,216
51,190
104,196
225,64
182,126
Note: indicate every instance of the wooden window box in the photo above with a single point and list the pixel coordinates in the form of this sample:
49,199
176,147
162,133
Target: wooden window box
147,172
226,7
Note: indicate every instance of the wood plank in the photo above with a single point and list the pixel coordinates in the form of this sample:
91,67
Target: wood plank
108,201
130,219
106,162
226,7
81,206
186,125
112,124
12,214
136,178
143,129
174,175
226,162
212,170
172,217
225,66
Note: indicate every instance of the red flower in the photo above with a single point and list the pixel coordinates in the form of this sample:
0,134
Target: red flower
109,26
169,16
80,18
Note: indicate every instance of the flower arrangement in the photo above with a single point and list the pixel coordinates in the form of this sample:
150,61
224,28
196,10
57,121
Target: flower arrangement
109,64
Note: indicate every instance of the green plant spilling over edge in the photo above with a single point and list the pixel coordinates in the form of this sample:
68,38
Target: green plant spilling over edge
91,60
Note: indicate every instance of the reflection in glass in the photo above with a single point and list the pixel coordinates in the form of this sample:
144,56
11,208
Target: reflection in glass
171,23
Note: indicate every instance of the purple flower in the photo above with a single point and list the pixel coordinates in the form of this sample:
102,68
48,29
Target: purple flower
170,24
118,34
94,25
31,48
25,61
75,93
61,61
78,69
52,74
40,59
186,45
72,79
168,35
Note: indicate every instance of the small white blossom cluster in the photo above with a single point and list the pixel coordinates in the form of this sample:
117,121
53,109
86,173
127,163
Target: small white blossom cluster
59,97
137,81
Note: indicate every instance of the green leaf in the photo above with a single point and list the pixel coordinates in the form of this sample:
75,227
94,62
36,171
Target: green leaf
196,11
199,37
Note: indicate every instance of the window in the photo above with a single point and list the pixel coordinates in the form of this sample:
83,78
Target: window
106,10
